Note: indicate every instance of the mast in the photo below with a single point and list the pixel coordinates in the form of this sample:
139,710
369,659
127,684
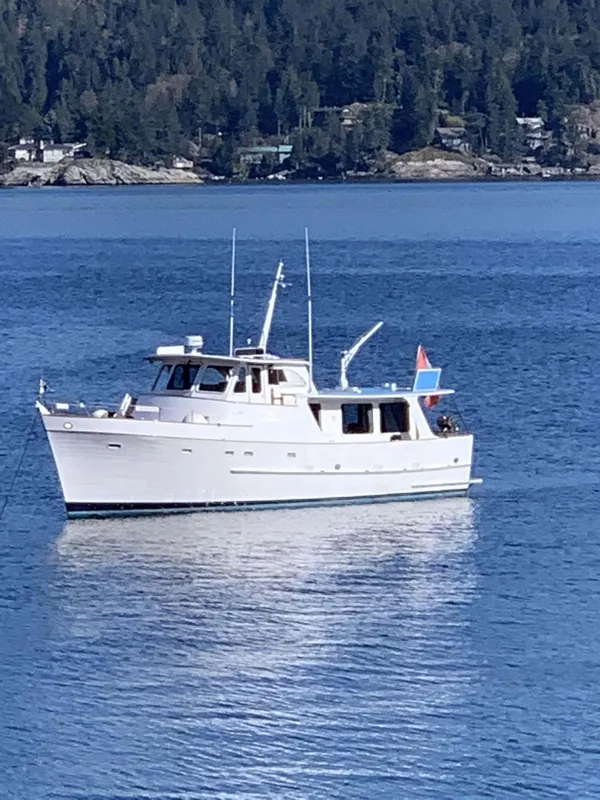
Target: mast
264,336
348,355
232,295
309,302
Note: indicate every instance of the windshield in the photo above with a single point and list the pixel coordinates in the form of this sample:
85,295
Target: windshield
160,382
183,377
214,379
204,377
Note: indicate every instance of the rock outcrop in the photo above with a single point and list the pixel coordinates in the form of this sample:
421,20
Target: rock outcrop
431,164
95,172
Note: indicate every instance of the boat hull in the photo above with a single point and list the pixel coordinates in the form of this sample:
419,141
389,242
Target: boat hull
110,467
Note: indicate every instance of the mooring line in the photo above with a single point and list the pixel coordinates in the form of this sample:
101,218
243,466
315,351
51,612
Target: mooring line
8,494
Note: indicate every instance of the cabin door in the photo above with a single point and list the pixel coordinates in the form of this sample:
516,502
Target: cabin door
258,379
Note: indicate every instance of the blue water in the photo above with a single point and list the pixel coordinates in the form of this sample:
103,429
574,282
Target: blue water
443,649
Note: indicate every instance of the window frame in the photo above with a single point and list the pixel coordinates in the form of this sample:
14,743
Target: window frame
406,420
223,370
368,410
164,373
186,365
256,387
241,384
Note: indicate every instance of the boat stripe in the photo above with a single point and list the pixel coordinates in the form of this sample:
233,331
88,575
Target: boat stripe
118,509
260,471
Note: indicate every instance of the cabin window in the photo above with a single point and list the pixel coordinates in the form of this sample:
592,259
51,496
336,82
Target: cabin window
214,379
276,376
316,412
293,377
357,417
183,377
240,384
160,383
256,380
394,417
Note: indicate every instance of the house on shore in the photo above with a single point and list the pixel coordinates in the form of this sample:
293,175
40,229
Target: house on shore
534,132
277,153
454,139
43,152
179,162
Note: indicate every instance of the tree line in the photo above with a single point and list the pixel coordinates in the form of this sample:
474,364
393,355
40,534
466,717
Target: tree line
143,79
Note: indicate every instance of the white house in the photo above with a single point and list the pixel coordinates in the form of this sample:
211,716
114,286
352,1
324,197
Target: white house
534,132
25,150
50,153
47,152
179,162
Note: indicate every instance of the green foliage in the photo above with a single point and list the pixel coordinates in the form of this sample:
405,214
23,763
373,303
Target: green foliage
140,78
500,109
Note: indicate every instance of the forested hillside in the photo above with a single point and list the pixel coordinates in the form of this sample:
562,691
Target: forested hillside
137,78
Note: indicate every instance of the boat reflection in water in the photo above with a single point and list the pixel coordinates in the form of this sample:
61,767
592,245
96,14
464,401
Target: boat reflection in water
350,624
297,543
403,554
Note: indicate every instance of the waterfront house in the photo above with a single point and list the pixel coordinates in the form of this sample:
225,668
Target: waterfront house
51,153
534,132
454,139
276,153
179,162
25,150
45,152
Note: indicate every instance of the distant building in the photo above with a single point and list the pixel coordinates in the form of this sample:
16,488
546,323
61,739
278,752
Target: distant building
353,114
534,132
255,155
50,153
45,152
25,150
179,162
454,139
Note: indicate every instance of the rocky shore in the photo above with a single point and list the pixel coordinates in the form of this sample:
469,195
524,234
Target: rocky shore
428,164
433,164
94,172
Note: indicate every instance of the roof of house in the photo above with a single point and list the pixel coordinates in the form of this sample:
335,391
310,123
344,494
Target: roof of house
275,148
63,147
451,131
535,122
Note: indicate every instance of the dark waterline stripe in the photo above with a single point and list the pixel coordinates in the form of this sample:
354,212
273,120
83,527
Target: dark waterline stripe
89,510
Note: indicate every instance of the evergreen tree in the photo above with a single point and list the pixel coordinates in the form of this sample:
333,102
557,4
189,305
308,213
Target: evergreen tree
501,108
140,78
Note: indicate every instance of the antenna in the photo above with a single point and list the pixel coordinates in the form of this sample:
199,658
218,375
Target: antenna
264,336
348,355
309,301
232,295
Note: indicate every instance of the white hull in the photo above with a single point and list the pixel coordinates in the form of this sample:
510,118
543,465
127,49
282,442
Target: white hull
120,465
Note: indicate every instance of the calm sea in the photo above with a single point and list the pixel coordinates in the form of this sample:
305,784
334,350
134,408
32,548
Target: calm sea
445,649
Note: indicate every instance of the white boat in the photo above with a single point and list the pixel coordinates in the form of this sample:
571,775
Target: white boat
251,430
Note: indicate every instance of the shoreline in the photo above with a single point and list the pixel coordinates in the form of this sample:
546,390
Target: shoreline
313,182
106,172
338,181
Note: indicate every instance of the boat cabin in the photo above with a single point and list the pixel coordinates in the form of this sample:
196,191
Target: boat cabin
250,376
367,415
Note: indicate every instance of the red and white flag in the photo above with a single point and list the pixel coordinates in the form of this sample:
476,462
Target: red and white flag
424,363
